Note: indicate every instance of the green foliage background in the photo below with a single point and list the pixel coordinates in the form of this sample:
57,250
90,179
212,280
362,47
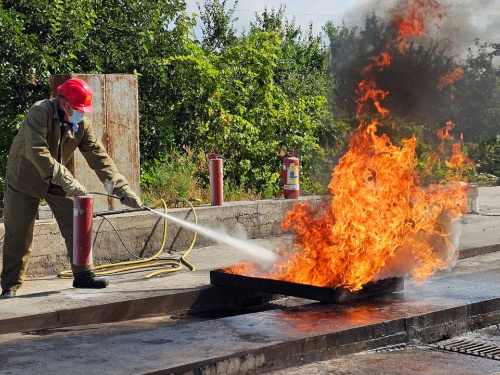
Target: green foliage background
252,97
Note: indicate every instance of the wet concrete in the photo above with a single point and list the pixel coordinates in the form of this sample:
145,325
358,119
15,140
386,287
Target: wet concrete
51,302
447,305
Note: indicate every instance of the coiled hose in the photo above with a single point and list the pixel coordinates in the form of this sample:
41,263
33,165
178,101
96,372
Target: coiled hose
175,264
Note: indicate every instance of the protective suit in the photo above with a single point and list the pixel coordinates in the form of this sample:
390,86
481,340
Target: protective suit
36,169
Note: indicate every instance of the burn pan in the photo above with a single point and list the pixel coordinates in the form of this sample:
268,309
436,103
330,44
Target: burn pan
323,294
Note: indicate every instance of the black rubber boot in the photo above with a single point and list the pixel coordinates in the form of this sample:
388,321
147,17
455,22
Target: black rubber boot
8,294
88,279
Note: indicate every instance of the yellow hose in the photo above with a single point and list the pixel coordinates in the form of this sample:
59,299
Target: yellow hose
142,263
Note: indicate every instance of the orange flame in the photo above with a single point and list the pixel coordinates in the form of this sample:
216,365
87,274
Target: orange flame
444,134
242,268
458,159
409,19
450,79
378,218
376,209
368,87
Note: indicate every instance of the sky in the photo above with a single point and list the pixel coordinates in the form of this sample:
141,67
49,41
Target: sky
462,20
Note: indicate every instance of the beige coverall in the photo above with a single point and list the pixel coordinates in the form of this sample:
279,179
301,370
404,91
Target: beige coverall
35,155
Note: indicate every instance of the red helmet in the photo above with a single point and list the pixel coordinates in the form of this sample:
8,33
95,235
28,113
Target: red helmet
78,93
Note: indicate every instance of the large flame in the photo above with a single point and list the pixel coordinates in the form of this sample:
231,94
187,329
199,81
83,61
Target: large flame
379,220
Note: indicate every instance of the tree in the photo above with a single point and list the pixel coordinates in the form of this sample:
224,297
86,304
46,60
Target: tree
477,95
40,38
256,99
228,103
218,30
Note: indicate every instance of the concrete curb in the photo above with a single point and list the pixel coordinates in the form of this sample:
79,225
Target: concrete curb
425,328
197,300
476,251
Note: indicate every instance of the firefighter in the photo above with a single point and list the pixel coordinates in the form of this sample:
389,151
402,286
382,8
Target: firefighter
46,141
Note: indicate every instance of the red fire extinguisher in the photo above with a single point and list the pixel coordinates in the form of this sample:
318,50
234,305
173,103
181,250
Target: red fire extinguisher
216,180
290,174
83,212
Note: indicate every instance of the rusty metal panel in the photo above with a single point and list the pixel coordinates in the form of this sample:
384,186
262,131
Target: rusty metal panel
323,294
122,131
115,122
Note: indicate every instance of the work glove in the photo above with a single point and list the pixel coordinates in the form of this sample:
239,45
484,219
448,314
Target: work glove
62,176
128,197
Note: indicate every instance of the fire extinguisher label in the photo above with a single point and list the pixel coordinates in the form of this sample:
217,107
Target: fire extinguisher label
293,174
292,187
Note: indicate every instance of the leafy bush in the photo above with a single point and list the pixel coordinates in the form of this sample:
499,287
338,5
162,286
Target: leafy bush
172,179
486,155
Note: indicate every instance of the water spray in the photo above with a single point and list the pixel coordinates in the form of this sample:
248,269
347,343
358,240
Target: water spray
82,241
258,253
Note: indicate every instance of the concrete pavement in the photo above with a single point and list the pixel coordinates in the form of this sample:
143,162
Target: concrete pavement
288,331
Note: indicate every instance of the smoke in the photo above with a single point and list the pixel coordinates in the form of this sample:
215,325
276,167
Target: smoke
462,22
445,251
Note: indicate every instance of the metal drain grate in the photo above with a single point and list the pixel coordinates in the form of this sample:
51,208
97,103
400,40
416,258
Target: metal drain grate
473,347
